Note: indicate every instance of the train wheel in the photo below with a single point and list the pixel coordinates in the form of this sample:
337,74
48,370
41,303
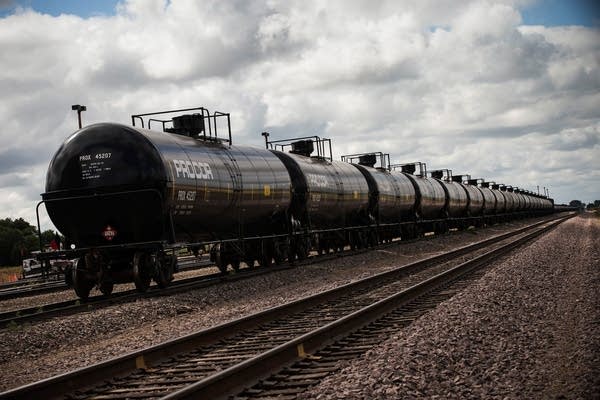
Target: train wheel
266,254
362,242
323,247
81,283
106,287
218,257
142,271
302,248
164,272
419,231
266,260
354,240
235,264
69,275
373,238
280,251
342,242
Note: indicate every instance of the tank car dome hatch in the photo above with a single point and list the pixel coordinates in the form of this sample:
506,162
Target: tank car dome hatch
368,160
382,160
187,125
409,169
303,147
437,174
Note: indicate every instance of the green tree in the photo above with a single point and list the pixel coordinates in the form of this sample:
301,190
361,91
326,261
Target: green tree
576,203
18,238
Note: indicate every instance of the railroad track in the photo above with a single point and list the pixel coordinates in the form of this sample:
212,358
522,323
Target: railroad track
37,287
20,282
74,306
32,289
307,336
69,307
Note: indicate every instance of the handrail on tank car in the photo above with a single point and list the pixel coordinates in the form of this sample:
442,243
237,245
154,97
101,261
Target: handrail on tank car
384,158
222,114
283,143
205,114
95,195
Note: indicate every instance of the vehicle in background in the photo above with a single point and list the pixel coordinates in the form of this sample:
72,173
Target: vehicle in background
59,269
31,268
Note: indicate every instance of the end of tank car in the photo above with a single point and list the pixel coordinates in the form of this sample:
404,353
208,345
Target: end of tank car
123,195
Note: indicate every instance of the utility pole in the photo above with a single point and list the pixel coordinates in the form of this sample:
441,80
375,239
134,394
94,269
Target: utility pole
79,109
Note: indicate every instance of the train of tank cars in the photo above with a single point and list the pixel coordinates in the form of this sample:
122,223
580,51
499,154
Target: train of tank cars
128,198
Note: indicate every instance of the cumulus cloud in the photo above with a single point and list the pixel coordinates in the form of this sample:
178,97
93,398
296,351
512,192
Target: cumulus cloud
460,85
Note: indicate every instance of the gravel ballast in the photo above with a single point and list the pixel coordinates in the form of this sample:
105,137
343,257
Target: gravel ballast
529,329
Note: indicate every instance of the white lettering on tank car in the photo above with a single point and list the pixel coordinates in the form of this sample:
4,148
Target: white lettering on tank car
192,169
183,195
190,195
317,180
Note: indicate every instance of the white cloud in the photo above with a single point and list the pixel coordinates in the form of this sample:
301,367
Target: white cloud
460,85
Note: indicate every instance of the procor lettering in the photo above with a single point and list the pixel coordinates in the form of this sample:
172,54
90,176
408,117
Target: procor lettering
192,169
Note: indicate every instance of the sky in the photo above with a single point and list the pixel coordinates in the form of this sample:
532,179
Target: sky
504,90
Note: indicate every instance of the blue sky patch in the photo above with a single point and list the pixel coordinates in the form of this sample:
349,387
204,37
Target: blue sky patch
562,12
82,8
542,12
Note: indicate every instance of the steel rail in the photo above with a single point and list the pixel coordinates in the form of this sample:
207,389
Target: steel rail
146,358
32,290
20,282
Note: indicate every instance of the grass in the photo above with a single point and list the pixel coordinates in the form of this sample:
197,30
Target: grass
7,273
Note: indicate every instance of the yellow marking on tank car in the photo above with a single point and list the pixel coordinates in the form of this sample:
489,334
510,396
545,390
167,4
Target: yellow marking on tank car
267,190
